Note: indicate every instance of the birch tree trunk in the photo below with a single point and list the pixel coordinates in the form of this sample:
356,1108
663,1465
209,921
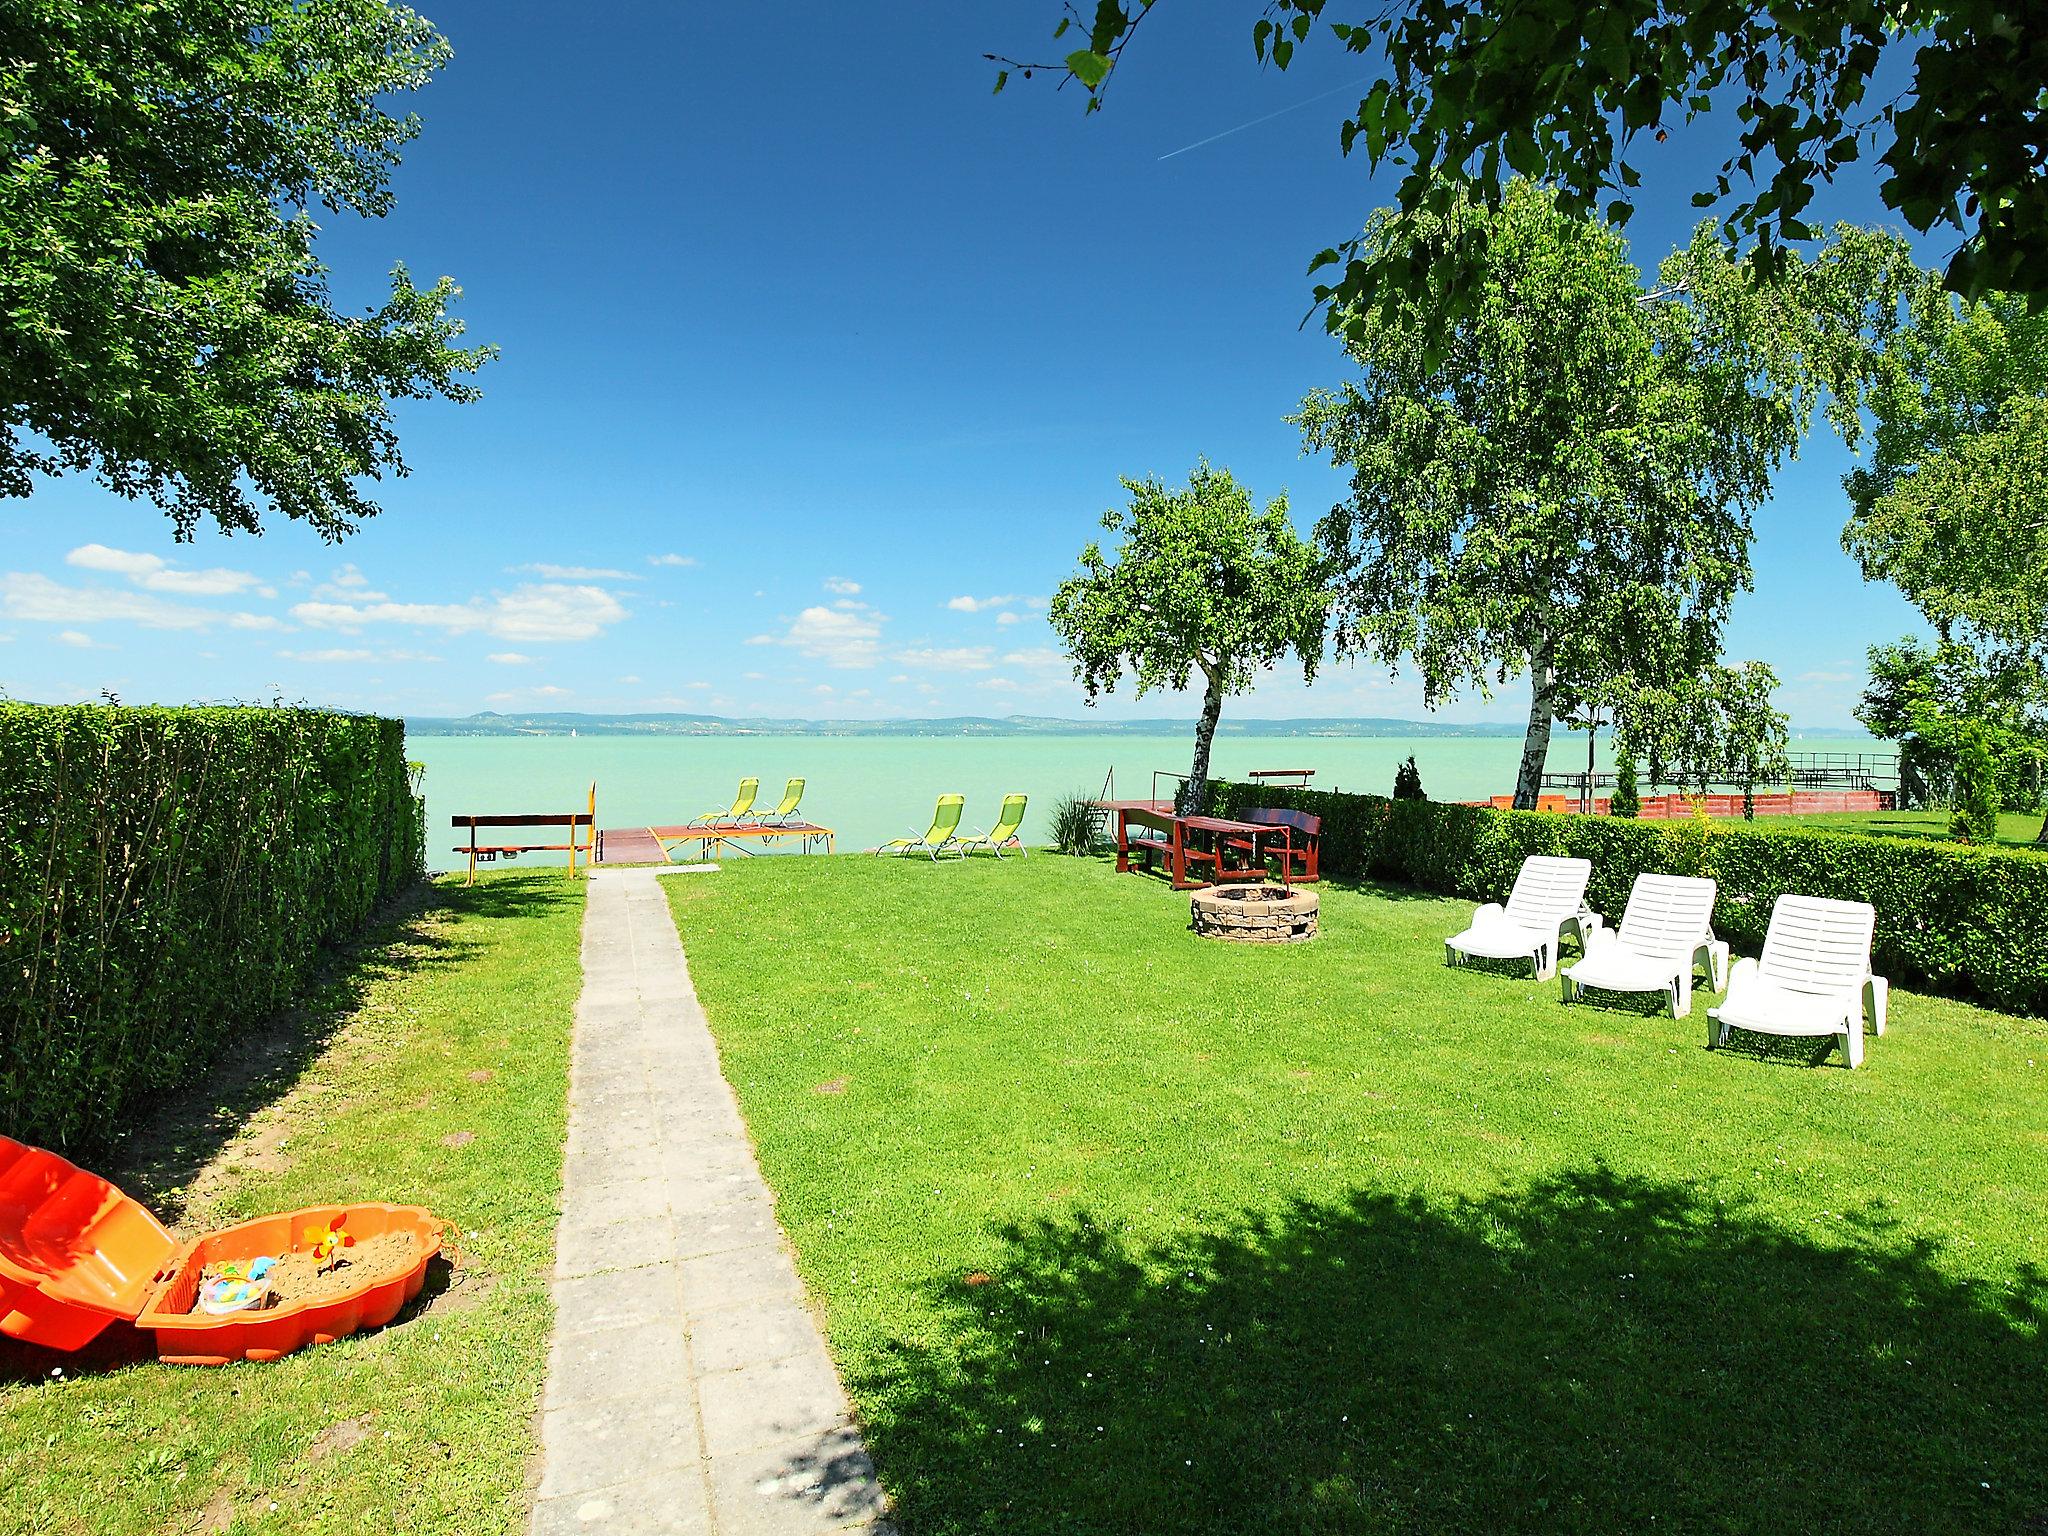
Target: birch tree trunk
1205,737
1536,741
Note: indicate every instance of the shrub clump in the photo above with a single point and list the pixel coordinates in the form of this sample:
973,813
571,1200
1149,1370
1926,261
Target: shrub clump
1076,825
1408,781
1627,800
1978,793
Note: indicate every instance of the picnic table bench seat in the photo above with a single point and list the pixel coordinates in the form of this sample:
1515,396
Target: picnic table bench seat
1300,857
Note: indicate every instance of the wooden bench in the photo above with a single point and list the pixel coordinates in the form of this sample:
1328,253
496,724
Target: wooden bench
490,853
1301,857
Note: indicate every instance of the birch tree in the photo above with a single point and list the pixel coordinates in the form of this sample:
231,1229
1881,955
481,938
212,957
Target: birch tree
1561,486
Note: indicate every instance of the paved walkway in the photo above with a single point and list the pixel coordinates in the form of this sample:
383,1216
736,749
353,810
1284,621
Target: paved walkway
688,1387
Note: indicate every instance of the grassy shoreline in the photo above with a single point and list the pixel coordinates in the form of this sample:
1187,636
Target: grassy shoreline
2016,829
430,1067
1118,1229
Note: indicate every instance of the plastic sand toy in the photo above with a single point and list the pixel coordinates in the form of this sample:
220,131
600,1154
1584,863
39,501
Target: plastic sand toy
77,1254
225,1293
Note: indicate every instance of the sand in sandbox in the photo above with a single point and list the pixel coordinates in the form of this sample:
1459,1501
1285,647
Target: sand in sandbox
293,1278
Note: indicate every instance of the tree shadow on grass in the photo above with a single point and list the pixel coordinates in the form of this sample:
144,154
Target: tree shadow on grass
1590,1352
181,1134
173,1140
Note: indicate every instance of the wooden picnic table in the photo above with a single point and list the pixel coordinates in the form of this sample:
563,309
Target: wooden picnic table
1180,841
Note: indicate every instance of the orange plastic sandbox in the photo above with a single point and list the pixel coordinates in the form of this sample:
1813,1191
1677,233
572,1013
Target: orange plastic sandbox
76,1254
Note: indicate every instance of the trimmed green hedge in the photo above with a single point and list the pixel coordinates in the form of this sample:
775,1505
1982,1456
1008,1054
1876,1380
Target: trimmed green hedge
1961,920
169,878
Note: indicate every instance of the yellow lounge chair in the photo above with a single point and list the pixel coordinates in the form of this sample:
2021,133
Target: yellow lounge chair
792,797
742,806
939,839
1008,820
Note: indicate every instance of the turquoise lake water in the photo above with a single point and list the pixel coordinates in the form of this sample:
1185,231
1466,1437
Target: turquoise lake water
870,788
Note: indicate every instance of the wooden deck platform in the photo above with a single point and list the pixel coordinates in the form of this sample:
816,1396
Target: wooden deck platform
657,845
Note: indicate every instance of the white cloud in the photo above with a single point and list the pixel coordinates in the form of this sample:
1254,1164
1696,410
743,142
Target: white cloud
77,637
35,597
97,557
550,691
1006,618
623,679
672,559
545,611
959,658
996,684
332,654
155,574
218,582
846,635
349,585
255,621
1035,656
991,604
509,659
841,587
575,572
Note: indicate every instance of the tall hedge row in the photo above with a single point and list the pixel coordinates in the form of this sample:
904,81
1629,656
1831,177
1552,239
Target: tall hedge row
1966,921
169,878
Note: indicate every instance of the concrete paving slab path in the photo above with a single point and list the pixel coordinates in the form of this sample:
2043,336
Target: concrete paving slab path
688,1386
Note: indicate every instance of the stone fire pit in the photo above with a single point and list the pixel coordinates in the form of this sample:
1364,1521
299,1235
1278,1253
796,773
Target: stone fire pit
1255,914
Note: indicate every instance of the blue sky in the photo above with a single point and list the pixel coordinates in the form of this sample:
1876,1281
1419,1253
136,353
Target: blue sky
819,365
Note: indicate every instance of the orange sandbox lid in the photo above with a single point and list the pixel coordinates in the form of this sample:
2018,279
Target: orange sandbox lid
77,1254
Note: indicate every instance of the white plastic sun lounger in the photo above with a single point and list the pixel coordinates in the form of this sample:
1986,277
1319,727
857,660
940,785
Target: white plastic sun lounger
1666,931
1548,901
1814,977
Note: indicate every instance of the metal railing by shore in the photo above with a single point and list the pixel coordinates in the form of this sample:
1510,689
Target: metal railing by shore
1878,771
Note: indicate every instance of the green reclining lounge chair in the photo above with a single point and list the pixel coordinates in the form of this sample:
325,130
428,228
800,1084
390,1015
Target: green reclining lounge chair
940,839
1005,834
742,804
792,797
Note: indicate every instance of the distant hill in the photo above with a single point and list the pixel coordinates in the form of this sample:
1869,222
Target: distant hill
491,723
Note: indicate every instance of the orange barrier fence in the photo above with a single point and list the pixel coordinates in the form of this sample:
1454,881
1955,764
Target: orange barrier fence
1801,802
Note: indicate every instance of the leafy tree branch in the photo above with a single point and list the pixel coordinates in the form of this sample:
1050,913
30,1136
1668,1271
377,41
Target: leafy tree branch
169,328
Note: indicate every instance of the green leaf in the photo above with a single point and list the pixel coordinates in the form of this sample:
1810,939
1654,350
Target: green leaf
1088,67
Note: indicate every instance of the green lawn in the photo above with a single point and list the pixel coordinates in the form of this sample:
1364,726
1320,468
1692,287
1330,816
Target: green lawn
2017,829
430,1069
1117,1229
